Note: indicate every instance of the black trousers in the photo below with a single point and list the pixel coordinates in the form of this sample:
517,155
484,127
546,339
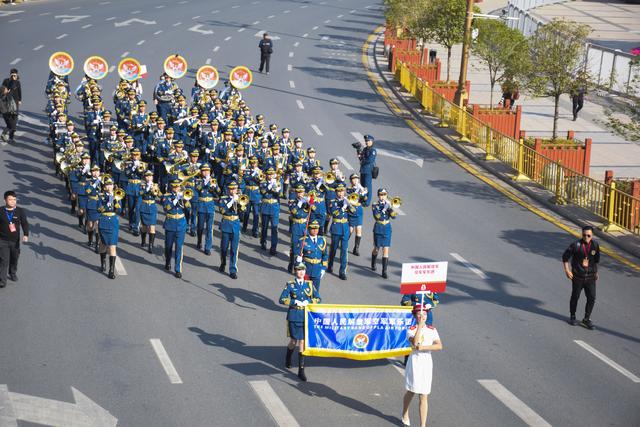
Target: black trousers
264,61
11,119
9,254
588,284
578,103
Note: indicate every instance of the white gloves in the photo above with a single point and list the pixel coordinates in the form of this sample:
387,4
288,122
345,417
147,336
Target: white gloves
298,259
322,274
230,203
300,203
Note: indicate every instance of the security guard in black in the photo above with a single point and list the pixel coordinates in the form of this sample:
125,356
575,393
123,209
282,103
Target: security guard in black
266,49
581,266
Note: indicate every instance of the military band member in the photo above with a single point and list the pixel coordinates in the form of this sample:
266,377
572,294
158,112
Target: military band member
109,225
313,250
296,177
367,163
105,129
139,125
250,143
207,189
318,189
230,228
82,173
356,217
300,209
270,210
340,208
252,179
297,153
92,189
149,193
297,294
192,169
163,96
383,213
310,163
134,171
175,203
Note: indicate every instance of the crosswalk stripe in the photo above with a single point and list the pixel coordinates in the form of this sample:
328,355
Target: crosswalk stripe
274,405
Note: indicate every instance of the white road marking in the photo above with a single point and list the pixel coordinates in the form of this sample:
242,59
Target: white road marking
140,43
327,21
124,55
352,11
217,48
397,364
65,19
213,12
135,12
402,155
340,16
208,61
183,2
274,405
18,11
255,23
292,84
111,18
129,21
317,130
261,32
15,20
235,6
241,29
15,61
324,38
296,44
305,35
40,46
177,23
287,11
196,17
255,2
120,267
227,38
160,6
345,163
157,32
290,54
104,3
300,104
61,36
608,361
165,361
271,16
315,28
75,8
112,68
84,27
470,266
516,405
198,29
304,7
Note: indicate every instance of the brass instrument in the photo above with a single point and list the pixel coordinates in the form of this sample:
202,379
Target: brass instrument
142,167
119,194
188,194
119,163
329,177
59,157
396,202
155,190
243,200
185,176
353,198
67,165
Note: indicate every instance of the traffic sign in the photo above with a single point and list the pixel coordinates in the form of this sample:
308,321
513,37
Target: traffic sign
423,276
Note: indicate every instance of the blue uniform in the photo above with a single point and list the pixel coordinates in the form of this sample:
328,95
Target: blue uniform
139,123
315,255
270,212
148,207
299,210
356,216
252,189
81,192
340,233
92,188
298,290
134,199
108,224
175,227
320,213
207,195
230,228
429,298
164,93
383,214
367,163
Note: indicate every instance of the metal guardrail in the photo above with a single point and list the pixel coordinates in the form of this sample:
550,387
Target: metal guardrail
619,210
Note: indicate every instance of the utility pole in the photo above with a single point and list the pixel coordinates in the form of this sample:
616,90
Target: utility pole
461,93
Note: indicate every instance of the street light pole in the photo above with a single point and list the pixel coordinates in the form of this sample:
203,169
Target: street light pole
461,93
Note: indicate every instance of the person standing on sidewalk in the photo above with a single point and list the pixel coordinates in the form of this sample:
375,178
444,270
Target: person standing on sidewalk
11,219
577,99
266,49
581,267
11,88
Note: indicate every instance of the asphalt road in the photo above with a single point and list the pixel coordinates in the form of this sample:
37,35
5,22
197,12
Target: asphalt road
66,325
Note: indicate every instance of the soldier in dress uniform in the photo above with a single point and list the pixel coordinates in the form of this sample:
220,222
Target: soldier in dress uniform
383,213
207,189
252,179
163,96
367,163
313,250
104,130
192,169
149,193
299,209
134,170
296,177
297,294
92,189
108,226
310,162
318,189
230,228
270,210
82,173
340,209
175,225
139,124
356,217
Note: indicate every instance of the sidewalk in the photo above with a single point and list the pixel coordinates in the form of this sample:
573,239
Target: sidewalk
608,152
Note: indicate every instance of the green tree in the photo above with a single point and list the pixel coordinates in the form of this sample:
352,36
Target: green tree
557,52
502,49
442,22
405,14
623,117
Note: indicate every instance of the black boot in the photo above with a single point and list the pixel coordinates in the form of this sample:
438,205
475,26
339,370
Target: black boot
356,246
80,221
152,238
73,206
223,265
385,262
301,374
143,239
245,222
103,262
112,266
287,362
199,245
374,258
290,266
167,261
572,320
587,323
89,238
97,244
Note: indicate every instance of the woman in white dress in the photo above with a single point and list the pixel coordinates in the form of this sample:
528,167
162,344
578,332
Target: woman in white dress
418,373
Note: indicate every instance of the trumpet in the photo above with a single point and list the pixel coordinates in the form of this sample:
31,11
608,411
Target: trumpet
155,190
329,178
185,176
119,194
188,194
243,200
59,157
353,198
396,202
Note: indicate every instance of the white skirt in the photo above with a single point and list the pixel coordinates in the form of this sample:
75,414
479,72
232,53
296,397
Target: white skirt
419,372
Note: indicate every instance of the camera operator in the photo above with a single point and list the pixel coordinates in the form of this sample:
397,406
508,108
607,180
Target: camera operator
368,168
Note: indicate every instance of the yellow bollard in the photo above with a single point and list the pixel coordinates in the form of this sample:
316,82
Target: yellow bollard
520,176
611,226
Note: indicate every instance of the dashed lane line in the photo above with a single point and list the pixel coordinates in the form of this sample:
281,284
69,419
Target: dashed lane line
300,104
273,403
112,68
511,401
120,267
208,61
111,18
15,61
165,361
61,36
296,44
317,130
290,54
84,27
125,54
140,43
227,38
292,84
608,361
40,46
345,163
157,32
289,67
305,35
217,48
315,28
470,266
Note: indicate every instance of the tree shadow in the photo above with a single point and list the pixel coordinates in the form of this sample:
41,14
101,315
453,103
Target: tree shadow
334,62
468,189
383,119
331,74
349,93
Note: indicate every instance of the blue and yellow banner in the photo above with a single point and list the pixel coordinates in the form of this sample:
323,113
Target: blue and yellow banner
361,332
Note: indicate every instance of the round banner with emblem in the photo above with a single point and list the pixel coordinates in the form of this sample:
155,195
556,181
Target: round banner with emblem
96,67
129,69
61,63
240,77
207,76
175,66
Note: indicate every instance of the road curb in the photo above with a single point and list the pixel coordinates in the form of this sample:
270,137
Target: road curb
631,249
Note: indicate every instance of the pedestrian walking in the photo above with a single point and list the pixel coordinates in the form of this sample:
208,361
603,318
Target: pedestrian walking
577,99
419,371
12,219
266,49
10,100
581,267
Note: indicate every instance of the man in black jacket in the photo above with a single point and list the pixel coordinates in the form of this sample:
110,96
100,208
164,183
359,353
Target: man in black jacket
12,218
11,86
581,267
266,49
